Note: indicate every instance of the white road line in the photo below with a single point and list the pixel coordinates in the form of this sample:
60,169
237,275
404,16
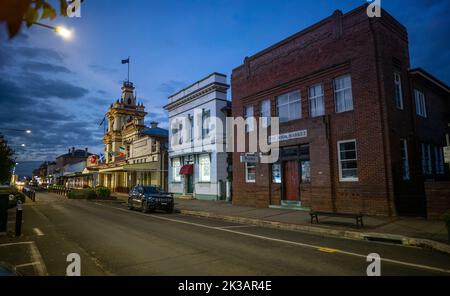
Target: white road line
38,232
36,257
13,244
420,266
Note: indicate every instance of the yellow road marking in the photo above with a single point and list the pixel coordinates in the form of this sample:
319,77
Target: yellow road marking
328,250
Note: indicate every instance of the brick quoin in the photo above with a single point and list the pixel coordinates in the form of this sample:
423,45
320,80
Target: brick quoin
370,50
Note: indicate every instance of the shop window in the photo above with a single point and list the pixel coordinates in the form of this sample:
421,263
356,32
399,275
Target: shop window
204,164
306,171
289,106
316,100
348,166
343,93
176,164
250,172
276,173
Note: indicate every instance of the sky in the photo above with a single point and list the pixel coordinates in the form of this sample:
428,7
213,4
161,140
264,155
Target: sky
62,89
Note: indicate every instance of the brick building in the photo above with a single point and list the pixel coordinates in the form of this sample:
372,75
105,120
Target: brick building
360,131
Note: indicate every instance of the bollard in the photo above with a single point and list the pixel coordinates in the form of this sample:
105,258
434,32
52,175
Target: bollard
19,218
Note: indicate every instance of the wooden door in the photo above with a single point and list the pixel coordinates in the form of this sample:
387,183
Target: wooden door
291,180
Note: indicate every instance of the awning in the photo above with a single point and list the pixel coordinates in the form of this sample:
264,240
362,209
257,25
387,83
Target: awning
187,169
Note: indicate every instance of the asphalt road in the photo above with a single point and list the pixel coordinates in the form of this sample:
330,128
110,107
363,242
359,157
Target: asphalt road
112,240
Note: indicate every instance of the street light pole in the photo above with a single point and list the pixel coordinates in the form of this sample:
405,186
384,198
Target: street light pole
63,32
16,130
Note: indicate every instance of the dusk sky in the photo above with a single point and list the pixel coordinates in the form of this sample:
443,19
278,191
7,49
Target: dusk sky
62,89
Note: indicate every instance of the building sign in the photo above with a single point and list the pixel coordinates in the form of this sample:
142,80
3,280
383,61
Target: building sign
447,154
288,136
249,158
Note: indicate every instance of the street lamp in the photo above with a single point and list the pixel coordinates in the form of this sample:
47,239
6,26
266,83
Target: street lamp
60,30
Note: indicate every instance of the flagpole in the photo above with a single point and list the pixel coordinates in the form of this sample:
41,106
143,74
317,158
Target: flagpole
129,69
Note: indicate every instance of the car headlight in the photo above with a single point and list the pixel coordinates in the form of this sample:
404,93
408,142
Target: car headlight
12,197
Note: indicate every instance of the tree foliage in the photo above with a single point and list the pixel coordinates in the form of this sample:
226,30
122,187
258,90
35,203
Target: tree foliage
6,160
17,12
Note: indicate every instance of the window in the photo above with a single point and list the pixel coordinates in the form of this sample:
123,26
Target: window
306,171
276,173
250,172
316,100
398,91
421,108
289,107
427,169
248,114
176,164
343,93
405,159
265,113
348,167
205,123
439,159
204,164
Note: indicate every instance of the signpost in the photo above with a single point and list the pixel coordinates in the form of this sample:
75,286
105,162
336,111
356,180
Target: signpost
249,158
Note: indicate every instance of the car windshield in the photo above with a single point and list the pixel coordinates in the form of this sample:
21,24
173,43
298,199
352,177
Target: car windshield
152,190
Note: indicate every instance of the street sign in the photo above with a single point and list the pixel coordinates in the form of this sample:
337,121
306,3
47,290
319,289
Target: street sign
288,136
447,154
249,158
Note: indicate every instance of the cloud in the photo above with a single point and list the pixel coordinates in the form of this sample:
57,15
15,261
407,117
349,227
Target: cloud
44,67
170,87
102,69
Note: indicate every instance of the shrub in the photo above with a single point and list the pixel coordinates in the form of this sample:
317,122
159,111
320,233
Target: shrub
102,192
82,194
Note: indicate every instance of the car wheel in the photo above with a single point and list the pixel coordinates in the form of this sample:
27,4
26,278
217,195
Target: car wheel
144,207
169,210
130,206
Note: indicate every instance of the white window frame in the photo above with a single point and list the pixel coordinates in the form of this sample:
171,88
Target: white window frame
439,160
247,166
176,177
421,107
249,118
201,168
398,90
289,103
341,179
348,102
313,100
266,114
405,160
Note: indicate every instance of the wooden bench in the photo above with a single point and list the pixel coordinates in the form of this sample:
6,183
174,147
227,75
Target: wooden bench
358,217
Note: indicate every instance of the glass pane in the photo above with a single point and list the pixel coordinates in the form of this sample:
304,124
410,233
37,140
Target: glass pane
349,173
282,100
283,113
276,173
294,111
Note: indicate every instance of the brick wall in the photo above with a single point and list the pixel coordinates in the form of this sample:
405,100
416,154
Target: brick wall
438,198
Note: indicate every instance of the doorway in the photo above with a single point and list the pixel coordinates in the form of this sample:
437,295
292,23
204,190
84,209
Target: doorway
291,177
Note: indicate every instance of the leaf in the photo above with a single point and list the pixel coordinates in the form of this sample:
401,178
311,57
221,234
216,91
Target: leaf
31,16
49,12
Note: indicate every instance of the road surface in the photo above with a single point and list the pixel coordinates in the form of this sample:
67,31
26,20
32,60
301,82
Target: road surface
112,240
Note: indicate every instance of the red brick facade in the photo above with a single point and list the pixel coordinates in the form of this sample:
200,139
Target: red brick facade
370,50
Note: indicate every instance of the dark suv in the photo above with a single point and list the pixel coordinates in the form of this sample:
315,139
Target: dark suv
149,198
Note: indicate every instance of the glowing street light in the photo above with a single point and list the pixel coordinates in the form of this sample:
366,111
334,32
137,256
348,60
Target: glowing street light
28,131
63,32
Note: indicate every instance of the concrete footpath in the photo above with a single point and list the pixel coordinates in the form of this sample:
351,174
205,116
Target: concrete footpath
418,232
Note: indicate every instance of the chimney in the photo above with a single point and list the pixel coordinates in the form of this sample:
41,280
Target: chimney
154,124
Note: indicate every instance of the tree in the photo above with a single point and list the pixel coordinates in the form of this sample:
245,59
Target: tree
17,12
6,160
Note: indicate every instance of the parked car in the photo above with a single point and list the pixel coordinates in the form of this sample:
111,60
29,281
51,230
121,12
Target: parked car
150,198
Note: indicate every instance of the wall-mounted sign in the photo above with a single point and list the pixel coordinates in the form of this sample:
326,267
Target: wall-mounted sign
249,158
288,136
447,154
